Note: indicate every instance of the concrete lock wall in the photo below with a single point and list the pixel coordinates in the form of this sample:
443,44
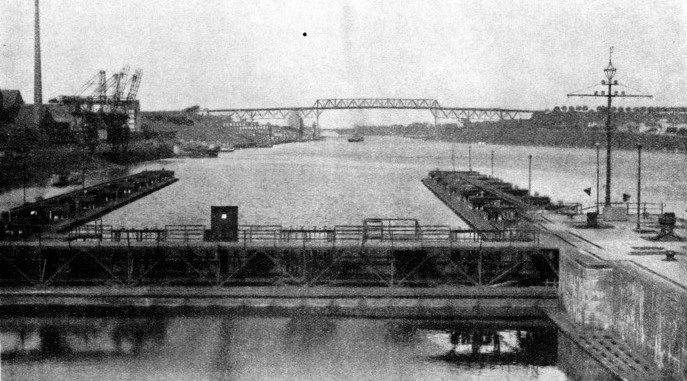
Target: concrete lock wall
651,314
648,312
582,290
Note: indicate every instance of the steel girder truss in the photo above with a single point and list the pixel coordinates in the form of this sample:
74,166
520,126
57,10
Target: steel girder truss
306,266
377,103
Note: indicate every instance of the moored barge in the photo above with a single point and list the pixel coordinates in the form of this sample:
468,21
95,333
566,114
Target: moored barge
59,213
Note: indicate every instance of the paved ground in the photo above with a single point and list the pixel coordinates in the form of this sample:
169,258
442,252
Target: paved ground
618,241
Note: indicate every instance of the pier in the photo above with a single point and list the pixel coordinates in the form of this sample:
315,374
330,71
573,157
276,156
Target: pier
60,213
622,291
484,202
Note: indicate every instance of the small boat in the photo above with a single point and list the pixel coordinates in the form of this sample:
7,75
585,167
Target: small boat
356,138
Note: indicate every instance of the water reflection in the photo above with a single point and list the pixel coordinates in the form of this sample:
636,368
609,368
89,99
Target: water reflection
59,339
306,346
307,333
489,346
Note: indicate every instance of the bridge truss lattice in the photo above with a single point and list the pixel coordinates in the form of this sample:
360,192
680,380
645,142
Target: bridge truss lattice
320,105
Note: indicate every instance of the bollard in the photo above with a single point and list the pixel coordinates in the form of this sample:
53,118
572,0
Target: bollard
670,256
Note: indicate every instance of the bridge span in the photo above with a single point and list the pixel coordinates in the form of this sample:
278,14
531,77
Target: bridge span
438,111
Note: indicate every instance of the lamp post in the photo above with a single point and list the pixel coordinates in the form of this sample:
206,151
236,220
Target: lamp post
639,182
492,163
598,176
470,157
609,72
529,177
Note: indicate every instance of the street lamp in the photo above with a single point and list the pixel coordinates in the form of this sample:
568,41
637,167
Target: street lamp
470,157
529,181
492,163
609,72
639,182
598,146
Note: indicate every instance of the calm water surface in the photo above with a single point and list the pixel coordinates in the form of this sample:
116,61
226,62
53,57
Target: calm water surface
225,347
336,182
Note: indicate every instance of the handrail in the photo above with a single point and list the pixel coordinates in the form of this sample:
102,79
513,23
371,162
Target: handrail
646,208
276,234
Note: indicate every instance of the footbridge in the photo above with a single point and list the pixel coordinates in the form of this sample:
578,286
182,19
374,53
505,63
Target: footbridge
438,111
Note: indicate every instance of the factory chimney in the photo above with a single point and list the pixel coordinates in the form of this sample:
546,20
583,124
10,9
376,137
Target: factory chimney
37,82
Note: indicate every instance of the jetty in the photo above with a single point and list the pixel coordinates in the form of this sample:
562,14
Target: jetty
60,213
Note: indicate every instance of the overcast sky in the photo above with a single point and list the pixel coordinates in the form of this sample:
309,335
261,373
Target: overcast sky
515,54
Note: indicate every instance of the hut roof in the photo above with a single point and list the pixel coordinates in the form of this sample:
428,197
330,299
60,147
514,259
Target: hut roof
10,99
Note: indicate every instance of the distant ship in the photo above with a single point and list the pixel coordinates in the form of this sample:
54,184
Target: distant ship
356,138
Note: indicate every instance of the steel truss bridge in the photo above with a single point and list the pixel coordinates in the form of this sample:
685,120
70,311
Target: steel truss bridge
438,111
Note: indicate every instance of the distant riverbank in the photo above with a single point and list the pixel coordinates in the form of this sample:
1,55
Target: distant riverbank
214,130
523,135
563,138
36,166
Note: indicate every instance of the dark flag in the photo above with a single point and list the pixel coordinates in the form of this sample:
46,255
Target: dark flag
588,191
626,197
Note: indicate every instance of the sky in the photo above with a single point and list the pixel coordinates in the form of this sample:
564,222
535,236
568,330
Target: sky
234,54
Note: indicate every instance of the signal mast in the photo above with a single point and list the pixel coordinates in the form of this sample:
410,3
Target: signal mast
609,71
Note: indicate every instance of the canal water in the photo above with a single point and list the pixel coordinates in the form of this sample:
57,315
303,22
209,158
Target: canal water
325,183
334,182
299,347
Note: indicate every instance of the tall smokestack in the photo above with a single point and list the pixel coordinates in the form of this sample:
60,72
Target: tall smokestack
37,82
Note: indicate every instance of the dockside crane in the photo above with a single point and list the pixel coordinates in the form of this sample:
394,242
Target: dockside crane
135,82
105,94
121,82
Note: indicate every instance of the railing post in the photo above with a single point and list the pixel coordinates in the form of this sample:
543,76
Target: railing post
479,267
